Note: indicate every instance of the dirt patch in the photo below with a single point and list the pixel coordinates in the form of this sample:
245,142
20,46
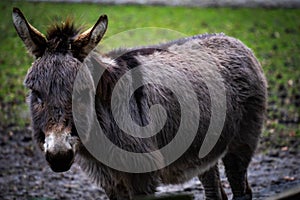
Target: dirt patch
25,174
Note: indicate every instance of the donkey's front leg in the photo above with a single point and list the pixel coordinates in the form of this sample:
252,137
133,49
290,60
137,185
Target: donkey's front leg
117,192
212,184
134,186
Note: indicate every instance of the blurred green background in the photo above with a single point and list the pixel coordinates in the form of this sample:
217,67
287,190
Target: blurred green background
273,34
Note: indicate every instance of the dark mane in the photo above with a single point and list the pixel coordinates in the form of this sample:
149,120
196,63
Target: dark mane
63,30
60,35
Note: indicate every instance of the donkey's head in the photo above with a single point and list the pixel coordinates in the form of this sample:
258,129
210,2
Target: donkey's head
50,79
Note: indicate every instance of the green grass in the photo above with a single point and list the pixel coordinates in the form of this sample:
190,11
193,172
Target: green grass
273,34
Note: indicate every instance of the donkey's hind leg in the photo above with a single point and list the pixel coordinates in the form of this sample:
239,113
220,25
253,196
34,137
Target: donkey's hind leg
240,152
212,184
236,172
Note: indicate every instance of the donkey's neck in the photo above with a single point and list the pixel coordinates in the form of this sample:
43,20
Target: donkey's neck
106,72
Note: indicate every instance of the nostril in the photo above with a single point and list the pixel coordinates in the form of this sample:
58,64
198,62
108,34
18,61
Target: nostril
66,156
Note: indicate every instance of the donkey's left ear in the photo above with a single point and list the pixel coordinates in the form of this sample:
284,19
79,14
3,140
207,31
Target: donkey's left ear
88,40
34,41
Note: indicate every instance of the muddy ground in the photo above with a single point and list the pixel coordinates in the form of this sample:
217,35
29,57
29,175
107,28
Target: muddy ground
24,174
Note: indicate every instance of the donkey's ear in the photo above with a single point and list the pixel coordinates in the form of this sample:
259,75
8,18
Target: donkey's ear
34,41
88,40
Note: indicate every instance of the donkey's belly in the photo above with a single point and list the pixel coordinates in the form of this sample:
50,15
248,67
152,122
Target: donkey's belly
180,172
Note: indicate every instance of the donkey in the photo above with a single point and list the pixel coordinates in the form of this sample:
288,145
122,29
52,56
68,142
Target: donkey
65,50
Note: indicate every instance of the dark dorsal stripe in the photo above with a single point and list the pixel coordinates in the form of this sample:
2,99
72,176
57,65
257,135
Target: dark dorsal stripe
128,58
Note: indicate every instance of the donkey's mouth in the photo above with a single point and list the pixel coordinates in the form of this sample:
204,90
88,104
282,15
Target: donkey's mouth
60,163
60,167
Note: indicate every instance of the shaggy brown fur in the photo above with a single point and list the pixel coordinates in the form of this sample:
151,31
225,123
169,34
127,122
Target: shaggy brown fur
63,52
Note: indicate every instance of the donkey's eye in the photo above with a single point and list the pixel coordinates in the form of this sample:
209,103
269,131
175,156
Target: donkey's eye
37,96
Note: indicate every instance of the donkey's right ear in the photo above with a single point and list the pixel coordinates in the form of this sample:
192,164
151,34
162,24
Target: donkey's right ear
88,40
34,41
